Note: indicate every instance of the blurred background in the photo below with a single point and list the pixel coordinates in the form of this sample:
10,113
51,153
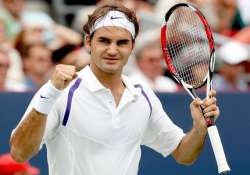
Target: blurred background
35,35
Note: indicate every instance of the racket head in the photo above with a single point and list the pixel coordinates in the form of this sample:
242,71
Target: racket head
188,45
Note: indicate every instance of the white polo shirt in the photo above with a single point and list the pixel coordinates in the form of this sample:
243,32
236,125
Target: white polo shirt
87,134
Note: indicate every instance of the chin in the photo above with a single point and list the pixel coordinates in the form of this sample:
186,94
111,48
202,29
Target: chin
112,69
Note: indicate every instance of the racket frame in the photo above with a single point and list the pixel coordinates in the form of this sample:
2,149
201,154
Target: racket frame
213,133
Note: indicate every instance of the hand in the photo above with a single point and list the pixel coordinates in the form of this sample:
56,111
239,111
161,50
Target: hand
210,110
63,75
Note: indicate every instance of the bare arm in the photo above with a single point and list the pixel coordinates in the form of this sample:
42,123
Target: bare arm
190,147
28,135
192,143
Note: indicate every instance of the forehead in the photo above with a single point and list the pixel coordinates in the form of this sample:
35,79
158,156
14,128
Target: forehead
113,33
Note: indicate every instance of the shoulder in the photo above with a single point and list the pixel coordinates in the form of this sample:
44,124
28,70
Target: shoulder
137,83
142,89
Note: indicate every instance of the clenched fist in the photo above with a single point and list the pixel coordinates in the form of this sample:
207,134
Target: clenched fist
63,75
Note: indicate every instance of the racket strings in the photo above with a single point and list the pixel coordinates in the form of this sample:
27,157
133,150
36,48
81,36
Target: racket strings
188,46
192,68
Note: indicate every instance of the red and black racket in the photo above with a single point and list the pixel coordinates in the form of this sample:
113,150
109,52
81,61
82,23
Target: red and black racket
188,48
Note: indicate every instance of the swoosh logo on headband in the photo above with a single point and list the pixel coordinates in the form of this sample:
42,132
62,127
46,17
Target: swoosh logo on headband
112,17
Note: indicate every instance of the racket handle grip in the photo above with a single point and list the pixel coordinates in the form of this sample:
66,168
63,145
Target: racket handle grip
220,157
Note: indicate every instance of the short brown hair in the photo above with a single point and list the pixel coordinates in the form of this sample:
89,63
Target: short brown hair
104,9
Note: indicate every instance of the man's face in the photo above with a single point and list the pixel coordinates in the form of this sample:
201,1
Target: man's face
150,62
110,48
39,60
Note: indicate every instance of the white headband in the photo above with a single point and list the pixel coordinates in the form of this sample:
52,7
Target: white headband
114,18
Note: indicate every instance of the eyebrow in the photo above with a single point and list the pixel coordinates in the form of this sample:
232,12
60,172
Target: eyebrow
105,38
123,40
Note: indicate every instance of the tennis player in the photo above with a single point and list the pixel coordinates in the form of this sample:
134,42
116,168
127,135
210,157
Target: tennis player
93,122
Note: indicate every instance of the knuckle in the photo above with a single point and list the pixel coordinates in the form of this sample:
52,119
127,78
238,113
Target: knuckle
212,93
215,114
213,107
214,100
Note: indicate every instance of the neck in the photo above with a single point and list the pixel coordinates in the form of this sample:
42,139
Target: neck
109,80
112,82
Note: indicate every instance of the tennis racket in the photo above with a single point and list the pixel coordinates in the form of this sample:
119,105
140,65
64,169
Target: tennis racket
188,49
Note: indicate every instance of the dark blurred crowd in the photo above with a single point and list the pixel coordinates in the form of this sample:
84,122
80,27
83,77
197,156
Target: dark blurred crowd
35,35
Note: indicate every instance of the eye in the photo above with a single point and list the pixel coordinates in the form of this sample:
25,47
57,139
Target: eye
104,40
122,42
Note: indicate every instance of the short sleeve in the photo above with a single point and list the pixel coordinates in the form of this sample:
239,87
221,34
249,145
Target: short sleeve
161,134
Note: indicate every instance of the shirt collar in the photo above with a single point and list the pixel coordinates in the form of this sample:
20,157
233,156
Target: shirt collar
94,85
130,86
90,80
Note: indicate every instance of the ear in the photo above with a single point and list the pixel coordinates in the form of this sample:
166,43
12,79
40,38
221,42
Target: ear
87,42
133,44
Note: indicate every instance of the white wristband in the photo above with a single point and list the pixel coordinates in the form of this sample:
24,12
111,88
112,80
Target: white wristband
46,98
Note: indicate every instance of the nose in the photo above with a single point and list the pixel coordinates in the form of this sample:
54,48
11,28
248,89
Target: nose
112,49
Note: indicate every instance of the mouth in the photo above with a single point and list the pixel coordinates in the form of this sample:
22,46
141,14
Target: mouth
111,60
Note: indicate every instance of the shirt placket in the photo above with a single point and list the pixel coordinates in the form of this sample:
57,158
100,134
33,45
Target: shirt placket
113,109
